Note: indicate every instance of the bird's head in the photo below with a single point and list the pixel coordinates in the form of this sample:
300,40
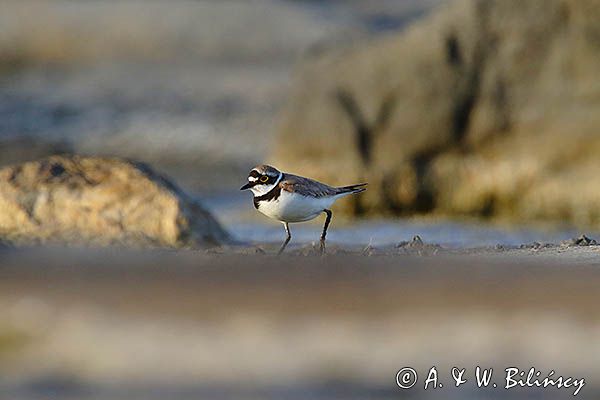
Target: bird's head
262,179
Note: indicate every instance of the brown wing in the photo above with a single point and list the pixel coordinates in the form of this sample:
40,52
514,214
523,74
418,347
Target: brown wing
307,187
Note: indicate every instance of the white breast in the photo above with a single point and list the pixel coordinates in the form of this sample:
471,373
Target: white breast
293,207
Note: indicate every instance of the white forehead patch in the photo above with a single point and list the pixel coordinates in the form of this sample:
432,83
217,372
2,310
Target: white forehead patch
252,179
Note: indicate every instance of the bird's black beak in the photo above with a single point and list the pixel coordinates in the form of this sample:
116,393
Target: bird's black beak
246,186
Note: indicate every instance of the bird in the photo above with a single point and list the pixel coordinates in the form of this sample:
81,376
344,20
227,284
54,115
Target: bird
291,198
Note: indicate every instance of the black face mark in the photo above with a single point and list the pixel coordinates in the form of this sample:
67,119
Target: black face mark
260,180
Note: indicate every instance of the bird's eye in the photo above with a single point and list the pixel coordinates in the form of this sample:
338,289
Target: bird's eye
264,178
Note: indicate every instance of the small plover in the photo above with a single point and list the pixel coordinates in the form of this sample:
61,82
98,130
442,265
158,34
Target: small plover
291,198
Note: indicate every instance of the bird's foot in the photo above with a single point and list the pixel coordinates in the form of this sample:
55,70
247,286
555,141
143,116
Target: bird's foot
322,246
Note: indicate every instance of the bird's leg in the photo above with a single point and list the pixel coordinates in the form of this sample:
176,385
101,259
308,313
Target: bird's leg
287,239
327,221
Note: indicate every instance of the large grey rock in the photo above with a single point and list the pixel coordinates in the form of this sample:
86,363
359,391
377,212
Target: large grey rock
99,201
483,108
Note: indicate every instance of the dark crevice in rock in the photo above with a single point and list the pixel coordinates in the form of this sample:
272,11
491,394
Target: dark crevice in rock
425,198
357,206
489,207
453,51
14,175
461,115
466,97
388,188
57,170
365,133
385,112
468,89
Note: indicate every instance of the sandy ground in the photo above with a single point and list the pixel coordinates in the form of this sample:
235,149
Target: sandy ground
119,324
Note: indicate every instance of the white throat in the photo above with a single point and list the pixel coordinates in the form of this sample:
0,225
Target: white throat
260,189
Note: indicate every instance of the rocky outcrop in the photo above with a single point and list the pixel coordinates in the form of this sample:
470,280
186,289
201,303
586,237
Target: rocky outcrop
486,108
99,201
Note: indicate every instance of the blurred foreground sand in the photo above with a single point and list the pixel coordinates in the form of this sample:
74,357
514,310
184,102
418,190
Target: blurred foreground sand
120,324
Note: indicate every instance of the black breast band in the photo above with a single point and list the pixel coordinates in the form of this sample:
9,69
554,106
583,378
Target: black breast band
272,194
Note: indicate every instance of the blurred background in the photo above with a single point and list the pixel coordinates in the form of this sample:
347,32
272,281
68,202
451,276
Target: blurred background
475,123
466,110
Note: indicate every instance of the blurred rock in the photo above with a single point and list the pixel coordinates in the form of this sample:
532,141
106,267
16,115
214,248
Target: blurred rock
77,200
486,108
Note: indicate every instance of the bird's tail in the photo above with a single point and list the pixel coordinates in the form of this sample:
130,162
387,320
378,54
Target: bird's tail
352,189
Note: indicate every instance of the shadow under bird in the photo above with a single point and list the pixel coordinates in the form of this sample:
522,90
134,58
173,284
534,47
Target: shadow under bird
290,198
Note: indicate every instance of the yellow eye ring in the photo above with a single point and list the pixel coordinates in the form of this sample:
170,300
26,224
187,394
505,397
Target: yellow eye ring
264,179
